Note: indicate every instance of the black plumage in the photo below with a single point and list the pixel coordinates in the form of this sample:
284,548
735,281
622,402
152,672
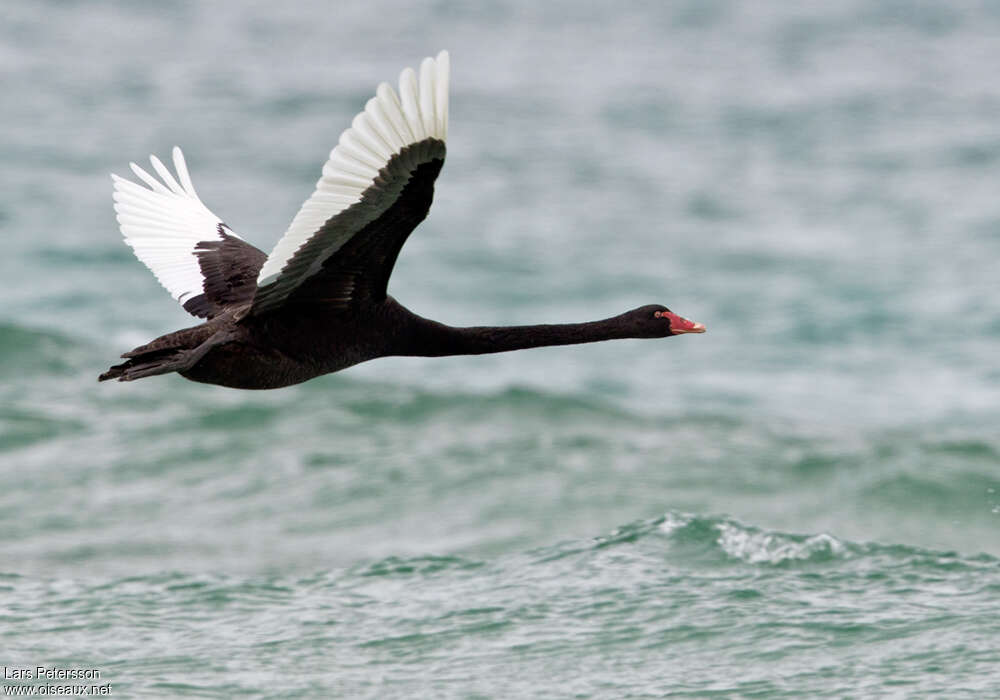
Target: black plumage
229,267
319,303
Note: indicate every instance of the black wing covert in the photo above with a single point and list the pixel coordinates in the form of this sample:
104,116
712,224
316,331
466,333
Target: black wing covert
229,268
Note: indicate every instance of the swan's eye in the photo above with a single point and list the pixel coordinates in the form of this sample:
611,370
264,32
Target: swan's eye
657,314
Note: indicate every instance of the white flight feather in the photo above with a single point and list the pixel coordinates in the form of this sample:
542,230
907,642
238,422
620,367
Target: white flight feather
388,124
163,223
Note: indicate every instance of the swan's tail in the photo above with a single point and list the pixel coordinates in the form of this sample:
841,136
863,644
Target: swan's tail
148,365
174,352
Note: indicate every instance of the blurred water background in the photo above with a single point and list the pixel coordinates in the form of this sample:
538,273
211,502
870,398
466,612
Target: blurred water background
803,502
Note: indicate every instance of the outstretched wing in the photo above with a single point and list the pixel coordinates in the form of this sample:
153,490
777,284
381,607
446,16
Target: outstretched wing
194,255
376,187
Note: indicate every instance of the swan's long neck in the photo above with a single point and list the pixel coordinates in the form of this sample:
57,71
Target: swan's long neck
428,338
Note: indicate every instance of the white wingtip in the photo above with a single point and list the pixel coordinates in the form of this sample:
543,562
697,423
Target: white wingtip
150,181
408,89
165,175
427,116
180,165
163,223
441,93
388,124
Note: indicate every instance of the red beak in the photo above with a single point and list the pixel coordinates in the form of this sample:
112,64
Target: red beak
680,325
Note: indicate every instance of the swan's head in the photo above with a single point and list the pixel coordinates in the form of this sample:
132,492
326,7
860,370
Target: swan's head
656,321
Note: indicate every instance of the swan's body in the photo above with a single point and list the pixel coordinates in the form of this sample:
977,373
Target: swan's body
318,302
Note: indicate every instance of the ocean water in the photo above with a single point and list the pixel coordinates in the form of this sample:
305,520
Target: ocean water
802,502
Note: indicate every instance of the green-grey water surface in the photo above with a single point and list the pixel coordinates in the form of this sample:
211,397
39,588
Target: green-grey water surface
803,502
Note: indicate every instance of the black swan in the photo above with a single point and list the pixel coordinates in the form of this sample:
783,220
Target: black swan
318,302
